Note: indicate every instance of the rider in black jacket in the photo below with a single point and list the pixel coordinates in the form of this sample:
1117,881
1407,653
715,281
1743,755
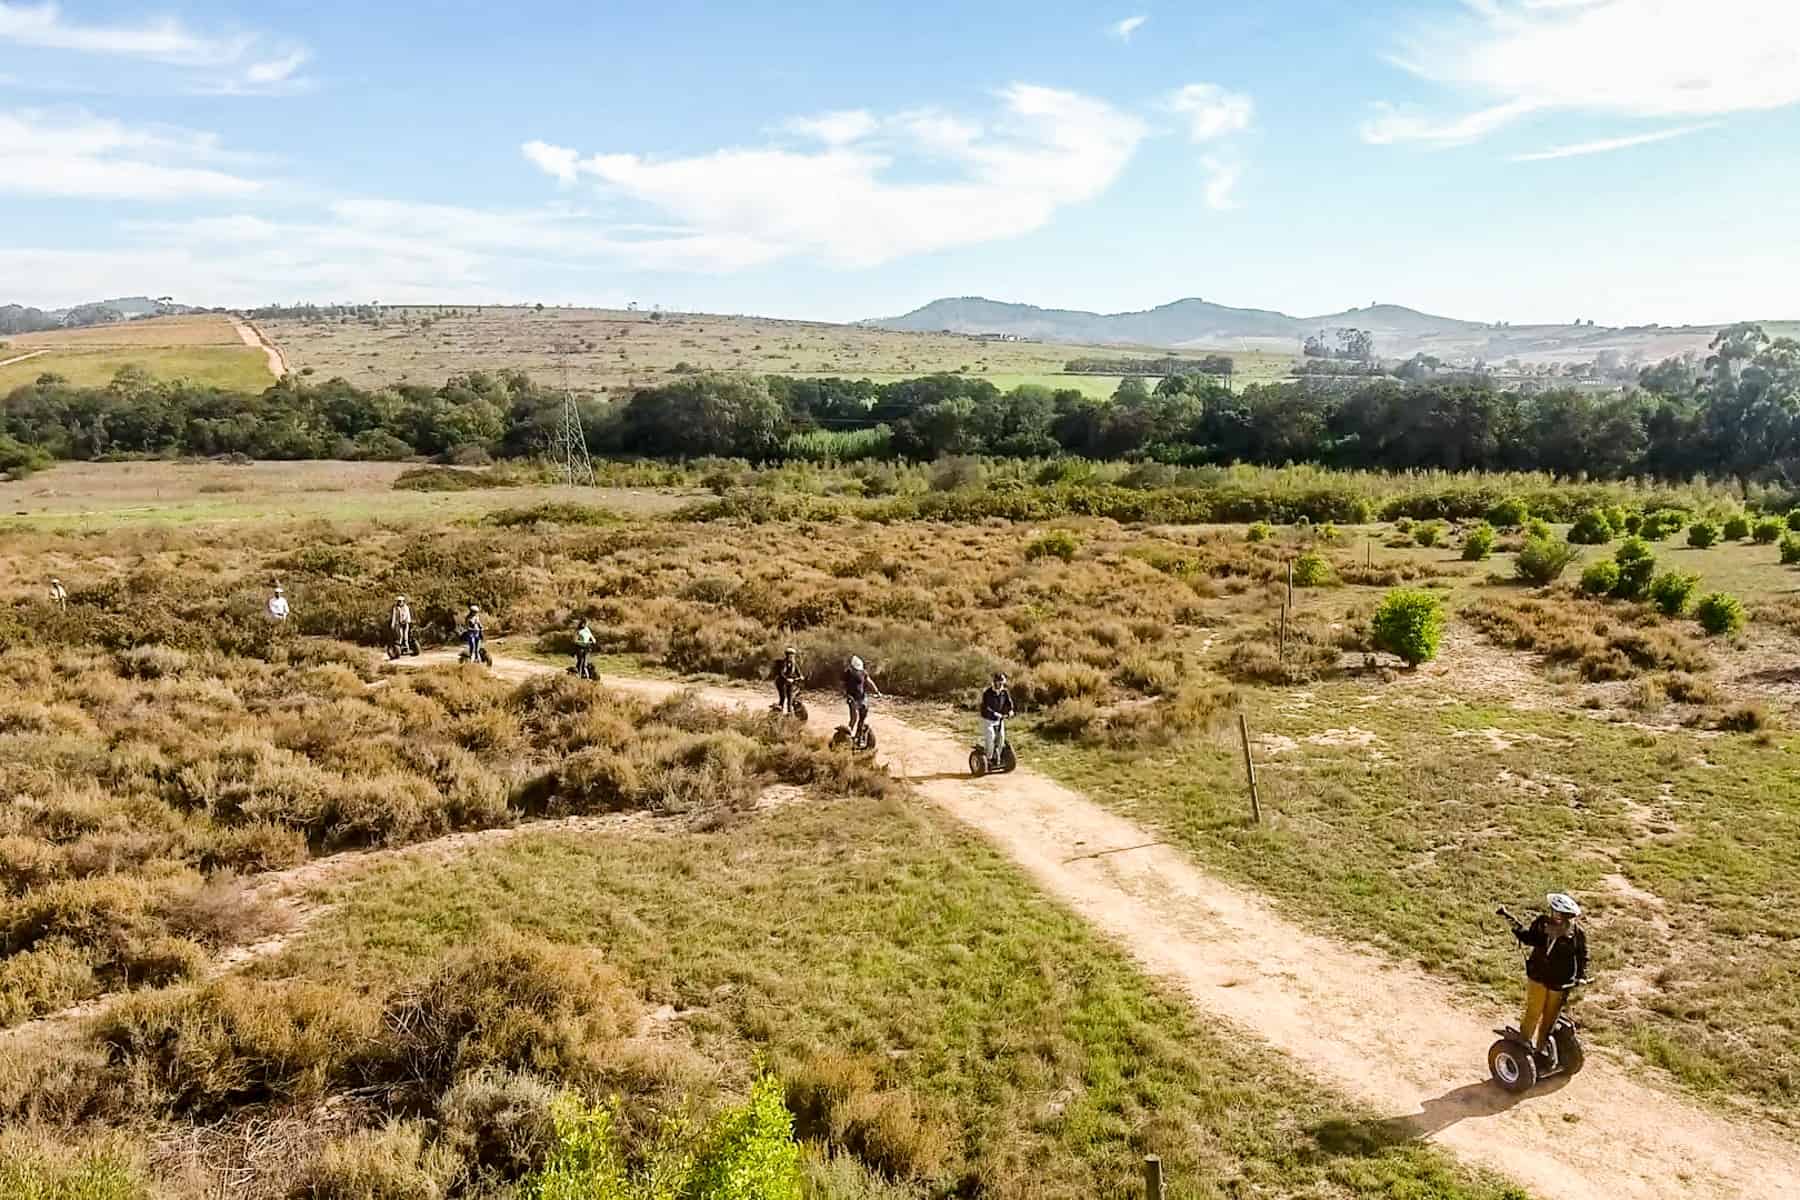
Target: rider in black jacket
996,706
1558,961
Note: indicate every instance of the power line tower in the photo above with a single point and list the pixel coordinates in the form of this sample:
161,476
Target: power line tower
571,438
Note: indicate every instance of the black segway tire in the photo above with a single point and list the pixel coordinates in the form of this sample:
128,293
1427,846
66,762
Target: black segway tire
977,763
799,711
1570,1057
1008,760
1513,1066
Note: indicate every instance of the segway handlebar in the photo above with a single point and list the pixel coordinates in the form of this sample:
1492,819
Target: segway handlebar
1511,920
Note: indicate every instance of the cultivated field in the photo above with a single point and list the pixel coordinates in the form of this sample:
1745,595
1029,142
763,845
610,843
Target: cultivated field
345,930
617,351
206,348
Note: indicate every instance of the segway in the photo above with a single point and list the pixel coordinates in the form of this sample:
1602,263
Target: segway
1003,761
859,738
1518,1066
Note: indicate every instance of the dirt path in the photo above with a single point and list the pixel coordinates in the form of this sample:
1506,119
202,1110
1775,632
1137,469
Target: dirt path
19,358
253,337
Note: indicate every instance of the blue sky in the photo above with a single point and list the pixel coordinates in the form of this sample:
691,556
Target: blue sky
1620,160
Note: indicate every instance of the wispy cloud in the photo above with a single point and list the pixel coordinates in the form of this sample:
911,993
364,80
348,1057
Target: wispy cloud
1221,182
1124,29
834,128
1606,145
85,156
1211,111
880,188
1621,58
233,62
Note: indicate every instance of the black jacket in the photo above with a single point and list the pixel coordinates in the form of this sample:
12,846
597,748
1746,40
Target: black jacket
1555,963
789,671
996,704
856,685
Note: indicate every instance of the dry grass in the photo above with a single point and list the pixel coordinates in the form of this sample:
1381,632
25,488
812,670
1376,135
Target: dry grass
199,329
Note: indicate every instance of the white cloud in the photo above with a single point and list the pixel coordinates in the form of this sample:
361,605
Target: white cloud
223,62
834,128
1606,145
82,155
1212,112
1391,125
961,182
1124,29
552,160
1221,182
1618,58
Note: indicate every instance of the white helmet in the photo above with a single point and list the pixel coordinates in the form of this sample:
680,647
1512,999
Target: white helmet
474,608
279,589
1561,902
855,663
791,650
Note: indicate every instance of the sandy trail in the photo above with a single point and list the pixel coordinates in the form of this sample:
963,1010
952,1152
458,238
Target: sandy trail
19,358
253,337
1330,1007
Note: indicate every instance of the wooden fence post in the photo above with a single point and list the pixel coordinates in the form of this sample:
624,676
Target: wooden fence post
1249,769
1153,1180
1284,619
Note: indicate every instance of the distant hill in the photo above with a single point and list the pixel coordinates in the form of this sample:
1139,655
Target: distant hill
19,318
1398,332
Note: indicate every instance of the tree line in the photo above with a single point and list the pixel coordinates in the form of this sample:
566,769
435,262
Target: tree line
1734,415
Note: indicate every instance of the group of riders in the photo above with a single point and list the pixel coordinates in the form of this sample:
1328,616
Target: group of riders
1557,960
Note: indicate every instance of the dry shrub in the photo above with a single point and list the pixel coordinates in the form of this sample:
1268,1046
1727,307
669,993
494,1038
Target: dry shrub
202,1051
836,1099
1050,683
221,912
511,1003
498,1121
395,1162
153,662
54,1081
1151,676
50,976
1683,688
1602,641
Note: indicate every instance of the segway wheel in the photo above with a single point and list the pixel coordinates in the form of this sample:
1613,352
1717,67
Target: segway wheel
866,743
1513,1066
841,738
1569,1055
1008,760
487,660
799,712
977,763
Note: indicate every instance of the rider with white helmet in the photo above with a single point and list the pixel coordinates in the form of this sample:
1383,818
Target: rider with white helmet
857,686
1558,962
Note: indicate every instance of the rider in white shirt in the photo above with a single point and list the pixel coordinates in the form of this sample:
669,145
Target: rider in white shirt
278,605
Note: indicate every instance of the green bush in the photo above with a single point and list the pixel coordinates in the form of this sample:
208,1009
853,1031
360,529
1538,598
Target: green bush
1536,528
1633,523
1478,543
1671,590
1403,525
1329,532
1591,528
1426,533
1660,524
747,1153
1702,534
1637,564
1259,531
1616,518
1058,543
1410,624
1767,530
1600,578
1737,528
1790,548
1719,613
1311,570
1510,513
1793,520
1543,560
